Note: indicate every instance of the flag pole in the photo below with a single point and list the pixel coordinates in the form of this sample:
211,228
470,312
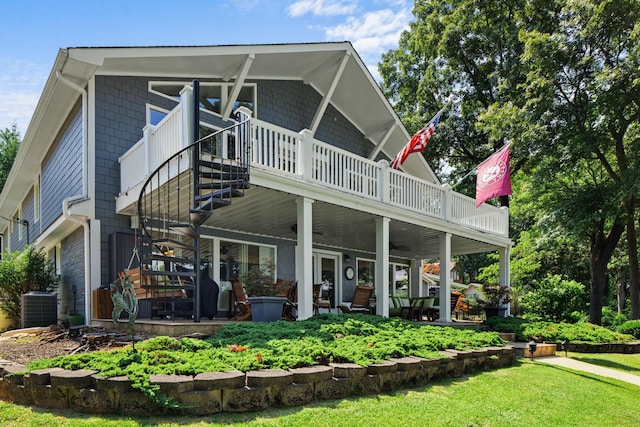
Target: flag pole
463,178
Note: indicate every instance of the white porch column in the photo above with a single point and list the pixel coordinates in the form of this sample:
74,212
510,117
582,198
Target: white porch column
445,277
384,180
382,266
305,154
304,257
504,269
186,100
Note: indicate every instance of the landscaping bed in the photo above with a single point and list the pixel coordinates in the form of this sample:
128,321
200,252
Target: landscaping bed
357,354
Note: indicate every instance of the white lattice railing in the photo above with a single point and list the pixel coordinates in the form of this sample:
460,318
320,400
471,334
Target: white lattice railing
274,147
344,171
157,144
299,155
414,194
484,217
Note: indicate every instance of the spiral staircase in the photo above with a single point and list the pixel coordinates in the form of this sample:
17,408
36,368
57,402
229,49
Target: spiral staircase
176,200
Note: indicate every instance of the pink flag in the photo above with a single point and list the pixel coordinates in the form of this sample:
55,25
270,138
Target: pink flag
418,141
494,176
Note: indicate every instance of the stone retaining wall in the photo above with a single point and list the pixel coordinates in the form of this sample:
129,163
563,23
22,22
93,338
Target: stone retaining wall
212,392
625,348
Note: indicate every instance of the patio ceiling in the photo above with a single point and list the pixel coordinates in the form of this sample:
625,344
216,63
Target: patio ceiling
272,213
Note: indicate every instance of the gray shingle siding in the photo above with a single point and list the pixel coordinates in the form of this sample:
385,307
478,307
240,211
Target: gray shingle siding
62,170
27,214
72,267
119,124
293,104
121,115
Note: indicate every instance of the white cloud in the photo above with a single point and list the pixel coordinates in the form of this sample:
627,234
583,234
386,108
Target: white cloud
20,86
374,33
322,7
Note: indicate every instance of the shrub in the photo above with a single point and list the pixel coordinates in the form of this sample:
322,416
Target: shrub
21,272
550,331
507,325
612,319
495,295
326,338
579,332
555,299
631,327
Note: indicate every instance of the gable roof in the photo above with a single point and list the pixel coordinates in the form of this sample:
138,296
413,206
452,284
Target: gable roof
333,69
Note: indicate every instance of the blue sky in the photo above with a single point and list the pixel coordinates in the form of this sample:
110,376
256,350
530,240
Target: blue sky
34,30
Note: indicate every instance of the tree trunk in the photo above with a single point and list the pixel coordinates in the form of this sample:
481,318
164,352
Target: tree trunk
601,250
621,289
632,248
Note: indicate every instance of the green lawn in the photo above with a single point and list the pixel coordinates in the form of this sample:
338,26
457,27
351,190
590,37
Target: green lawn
527,394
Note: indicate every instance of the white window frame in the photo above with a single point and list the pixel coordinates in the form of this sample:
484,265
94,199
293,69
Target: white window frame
150,107
18,219
392,281
358,259
224,92
36,200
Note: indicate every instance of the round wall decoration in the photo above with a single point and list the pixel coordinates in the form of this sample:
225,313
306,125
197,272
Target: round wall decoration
349,273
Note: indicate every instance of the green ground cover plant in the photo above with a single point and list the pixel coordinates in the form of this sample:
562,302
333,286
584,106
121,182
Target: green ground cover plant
327,338
631,327
526,394
581,332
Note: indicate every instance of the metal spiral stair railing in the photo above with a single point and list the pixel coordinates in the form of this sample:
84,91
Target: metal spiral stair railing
175,201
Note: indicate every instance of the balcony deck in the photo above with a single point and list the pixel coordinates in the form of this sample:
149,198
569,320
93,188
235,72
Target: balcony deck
300,159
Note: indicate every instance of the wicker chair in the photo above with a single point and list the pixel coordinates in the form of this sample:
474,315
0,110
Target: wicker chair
241,302
360,301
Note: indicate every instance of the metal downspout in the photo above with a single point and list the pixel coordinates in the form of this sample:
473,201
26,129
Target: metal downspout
66,203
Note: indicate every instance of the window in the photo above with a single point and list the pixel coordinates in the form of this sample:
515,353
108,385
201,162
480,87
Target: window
36,200
221,145
399,280
236,258
214,96
155,115
6,240
18,220
366,272
57,261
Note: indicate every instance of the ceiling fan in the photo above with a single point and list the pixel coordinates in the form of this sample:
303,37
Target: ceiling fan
294,228
401,248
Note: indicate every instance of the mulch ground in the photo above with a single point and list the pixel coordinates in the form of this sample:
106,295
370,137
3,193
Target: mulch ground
25,345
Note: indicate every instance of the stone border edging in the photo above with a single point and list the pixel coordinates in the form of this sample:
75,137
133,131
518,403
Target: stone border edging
233,391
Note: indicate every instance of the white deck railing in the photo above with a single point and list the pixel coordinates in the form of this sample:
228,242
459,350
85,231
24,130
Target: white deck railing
300,156
158,143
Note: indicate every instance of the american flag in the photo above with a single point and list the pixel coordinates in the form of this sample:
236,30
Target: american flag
418,142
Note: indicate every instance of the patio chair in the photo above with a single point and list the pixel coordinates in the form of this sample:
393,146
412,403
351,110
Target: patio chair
460,306
320,300
360,302
290,307
242,304
419,307
433,313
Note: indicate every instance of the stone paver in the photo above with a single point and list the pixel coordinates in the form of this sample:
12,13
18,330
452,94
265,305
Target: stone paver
578,365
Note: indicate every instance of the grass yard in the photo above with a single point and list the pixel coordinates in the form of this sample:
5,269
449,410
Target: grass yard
527,394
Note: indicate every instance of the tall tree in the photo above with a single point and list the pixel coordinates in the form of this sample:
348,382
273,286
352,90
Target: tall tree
584,74
469,51
9,145
556,78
